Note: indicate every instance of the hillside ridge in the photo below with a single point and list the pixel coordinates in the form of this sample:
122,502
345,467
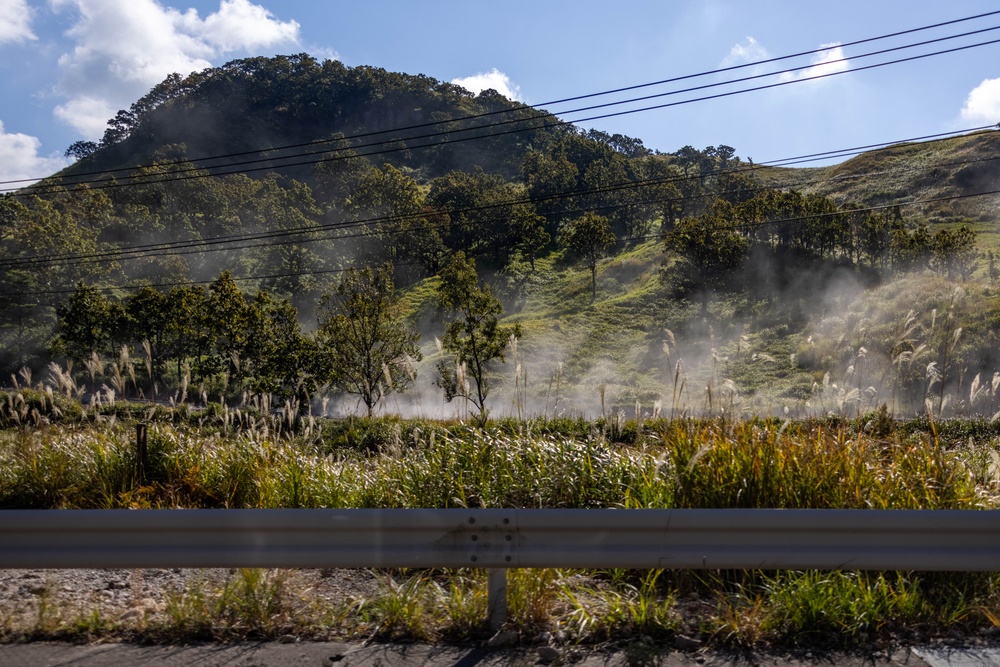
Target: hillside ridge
618,262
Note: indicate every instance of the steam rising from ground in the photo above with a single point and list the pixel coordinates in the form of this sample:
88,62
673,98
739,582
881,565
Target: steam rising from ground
852,352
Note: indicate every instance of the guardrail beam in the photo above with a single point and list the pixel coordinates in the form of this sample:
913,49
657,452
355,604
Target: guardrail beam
496,539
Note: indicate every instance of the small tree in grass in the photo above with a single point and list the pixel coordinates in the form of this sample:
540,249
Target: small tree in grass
475,340
362,337
590,237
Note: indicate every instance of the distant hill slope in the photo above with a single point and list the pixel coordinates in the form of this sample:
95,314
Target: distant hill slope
955,170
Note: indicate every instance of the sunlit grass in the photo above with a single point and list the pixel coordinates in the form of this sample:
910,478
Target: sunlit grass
658,464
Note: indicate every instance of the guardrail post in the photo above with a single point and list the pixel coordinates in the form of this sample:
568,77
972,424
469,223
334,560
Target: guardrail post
497,590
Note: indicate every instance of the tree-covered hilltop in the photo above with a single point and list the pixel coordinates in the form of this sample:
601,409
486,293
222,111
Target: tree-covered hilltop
246,201
409,121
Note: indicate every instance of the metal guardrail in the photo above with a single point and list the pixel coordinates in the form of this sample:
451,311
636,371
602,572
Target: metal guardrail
955,540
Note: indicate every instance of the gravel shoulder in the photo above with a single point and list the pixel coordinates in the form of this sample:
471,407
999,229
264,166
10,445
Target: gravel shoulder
131,596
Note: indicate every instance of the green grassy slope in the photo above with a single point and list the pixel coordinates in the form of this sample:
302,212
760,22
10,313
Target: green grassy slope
647,346
573,344
959,166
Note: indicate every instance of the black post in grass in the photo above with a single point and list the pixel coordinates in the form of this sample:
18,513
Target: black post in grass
141,459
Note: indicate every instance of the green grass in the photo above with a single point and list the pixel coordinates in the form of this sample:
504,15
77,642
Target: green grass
760,356
721,609
616,419
606,463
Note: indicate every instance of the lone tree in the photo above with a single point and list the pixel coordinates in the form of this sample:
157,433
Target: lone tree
709,250
475,340
590,237
364,342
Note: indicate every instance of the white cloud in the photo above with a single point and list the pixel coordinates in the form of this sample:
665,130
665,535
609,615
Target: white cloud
89,115
19,159
322,53
494,79
240,25
983,103
747,51
823,63
125,48
15,21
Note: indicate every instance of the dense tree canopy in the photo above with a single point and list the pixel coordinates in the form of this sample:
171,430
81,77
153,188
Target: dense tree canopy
709,249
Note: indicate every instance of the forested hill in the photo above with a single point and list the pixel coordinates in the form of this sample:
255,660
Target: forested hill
238,200
336,166
410,121
286,171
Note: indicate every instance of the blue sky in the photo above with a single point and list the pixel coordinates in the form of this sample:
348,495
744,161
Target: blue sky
66,66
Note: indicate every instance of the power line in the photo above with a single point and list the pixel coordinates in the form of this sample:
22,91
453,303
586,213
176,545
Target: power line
396,149
740,225
154,179
184,177
577,97
281,162
317,232
781,58
321,229
205,245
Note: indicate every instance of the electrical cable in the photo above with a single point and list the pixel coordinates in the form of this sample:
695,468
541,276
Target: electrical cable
171,248
737,225
635,185
568,99
280,162
744,225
